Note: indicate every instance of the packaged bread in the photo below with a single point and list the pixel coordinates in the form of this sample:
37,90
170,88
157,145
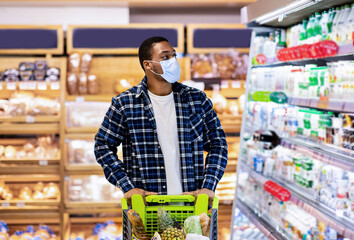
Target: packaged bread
205,224
10,152
226,65
71,83
25,66
74,63
39,75
137,225
6,194
82,83
86,62
27,75
4,236
39,187
29,147
202,67
219,103
53,72
25,193
92,84
41,65
232,107
37,195
51,191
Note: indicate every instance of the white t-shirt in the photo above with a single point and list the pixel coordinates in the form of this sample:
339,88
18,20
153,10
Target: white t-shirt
166,125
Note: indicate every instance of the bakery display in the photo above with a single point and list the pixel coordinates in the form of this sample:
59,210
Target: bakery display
31,71
26,103
92,188
86,114
227,65
106,230
42,147
42,232
79,80
30,192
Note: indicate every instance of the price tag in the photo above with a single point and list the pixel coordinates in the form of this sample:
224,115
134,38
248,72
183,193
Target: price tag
5,204
66,178
55,85
0,85
20,204
80,99
323,102
236,84
11,86
42,86
30,119
224,84
43,162
31,85
23,85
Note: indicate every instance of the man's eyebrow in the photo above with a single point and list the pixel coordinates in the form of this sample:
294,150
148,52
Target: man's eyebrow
167,51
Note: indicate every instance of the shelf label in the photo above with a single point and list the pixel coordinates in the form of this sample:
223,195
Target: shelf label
278,97
261,96
80,99
31,85
323,102
20,204
236,84
43,162
0,85
260,59
11,86
42,86
30,119
5,204
55,85
23,85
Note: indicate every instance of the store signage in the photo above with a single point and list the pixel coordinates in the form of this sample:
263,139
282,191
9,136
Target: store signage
277,191
329,48
261,96
278,97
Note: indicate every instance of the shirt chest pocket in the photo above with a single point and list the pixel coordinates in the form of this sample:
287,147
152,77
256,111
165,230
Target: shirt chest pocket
196,130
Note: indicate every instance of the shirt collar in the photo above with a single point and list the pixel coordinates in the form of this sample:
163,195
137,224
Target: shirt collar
143,87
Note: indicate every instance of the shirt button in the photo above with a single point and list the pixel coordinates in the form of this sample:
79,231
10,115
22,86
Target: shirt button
158,147
161,167
163,186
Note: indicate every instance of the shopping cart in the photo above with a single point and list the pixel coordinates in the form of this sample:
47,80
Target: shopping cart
180,212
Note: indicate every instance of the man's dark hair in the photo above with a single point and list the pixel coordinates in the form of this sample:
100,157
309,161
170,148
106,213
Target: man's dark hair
146,46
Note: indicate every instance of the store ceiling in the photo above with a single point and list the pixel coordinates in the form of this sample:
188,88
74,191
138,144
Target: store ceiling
131,3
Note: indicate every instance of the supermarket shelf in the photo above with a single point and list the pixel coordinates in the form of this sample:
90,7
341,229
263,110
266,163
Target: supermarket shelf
91,98
306,202
35,205
341,105
321,153
30,119
93,207
231,165
29,128
26,160
29,169
49,89
94,219
263,225
82,129
318,61
33,218
97,169
30,178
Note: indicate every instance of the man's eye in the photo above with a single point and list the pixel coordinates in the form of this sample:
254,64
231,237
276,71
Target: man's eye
165,57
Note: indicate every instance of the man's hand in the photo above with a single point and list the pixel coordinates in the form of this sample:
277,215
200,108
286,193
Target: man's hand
128,195
206,191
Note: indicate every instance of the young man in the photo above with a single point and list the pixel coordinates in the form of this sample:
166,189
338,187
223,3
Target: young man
164,127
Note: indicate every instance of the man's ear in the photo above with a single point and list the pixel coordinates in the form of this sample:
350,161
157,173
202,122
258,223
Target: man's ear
146,65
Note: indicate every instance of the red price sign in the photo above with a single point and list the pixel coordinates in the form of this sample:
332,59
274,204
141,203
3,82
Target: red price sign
329,48
261,58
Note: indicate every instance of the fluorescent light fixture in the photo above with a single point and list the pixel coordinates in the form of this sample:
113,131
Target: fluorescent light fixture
281,13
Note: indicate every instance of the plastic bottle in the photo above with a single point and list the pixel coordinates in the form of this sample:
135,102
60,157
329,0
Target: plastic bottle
303,37
323,23
317,27
331,16
310,30
342,26
335,22
350,24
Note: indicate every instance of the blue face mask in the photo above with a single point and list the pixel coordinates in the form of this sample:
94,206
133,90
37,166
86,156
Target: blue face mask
171,70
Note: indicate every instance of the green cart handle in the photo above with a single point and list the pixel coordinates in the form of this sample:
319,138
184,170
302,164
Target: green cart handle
169,198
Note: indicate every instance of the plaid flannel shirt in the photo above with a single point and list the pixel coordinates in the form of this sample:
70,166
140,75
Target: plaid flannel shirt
130,121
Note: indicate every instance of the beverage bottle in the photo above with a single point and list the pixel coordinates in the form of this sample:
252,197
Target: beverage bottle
336,19
350,24
324,23
331,16
317,28
310,30
342,27
303,37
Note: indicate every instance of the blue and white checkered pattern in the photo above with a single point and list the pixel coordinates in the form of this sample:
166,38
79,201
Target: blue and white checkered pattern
130,121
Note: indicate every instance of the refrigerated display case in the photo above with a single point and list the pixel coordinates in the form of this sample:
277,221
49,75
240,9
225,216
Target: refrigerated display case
295,172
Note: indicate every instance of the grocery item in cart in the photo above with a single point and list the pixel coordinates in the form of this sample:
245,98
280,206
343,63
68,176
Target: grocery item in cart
138,226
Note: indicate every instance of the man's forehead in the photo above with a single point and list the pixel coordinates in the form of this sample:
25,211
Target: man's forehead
163,47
